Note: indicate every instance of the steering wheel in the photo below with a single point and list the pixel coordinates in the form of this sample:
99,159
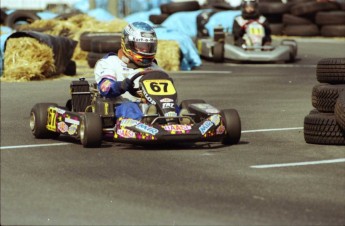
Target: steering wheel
135,91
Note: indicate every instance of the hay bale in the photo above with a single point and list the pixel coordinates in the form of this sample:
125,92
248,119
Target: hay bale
168,55
27,59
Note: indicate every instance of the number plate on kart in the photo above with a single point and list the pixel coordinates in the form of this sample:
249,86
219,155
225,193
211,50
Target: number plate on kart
159,87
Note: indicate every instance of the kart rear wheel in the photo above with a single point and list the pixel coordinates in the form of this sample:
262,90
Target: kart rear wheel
232,123
38,121
218,52
90,132
293,48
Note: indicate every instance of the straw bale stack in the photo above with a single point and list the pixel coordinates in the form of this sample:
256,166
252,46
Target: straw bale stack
27,59
168,55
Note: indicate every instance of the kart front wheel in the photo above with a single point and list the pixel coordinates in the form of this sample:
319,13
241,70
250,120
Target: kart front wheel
232,123
38,121
90,131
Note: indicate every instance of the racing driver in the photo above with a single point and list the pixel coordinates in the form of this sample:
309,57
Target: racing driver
250,14
112,72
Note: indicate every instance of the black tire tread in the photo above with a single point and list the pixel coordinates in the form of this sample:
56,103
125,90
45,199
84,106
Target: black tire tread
322,128
339,110
331,70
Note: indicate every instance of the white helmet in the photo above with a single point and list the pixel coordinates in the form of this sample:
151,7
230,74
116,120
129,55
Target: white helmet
139,43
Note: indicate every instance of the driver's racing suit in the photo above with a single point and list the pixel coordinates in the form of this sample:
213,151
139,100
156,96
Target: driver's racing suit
239,29
112,75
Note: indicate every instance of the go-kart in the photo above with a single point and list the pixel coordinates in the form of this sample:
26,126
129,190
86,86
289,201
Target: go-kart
91,118
221,47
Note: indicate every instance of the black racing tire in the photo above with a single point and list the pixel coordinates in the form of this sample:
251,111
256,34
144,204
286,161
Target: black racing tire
71,68
324,96
277,28
173,7
289,19
330,18
293,48
106,45
331,70
218,52
322,128
274,7
92,58
20,16
333,30
87,37
302,30
232,123
312,7
158,19
91,129
3,16
38,121
339,110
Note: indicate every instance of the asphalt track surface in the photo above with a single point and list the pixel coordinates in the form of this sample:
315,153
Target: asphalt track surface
272,177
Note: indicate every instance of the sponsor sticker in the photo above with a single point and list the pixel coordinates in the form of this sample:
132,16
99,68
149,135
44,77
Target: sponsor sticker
128,122
205,127
72,121
166,100
168,105
179,128
215,119
125,133
60,111
62,127
170,114
146,129
220,130
72,129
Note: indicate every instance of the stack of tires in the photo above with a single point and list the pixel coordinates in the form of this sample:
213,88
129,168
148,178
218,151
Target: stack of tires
173,7
305,17
98,44
274,10
326,123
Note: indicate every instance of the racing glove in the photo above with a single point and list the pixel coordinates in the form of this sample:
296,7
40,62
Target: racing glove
110,88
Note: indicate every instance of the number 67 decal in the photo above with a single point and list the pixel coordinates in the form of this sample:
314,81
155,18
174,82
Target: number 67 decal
159,87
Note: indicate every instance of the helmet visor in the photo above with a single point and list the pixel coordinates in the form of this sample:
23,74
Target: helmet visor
144,48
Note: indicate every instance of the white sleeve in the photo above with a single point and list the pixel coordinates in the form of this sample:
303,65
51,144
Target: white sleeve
105,68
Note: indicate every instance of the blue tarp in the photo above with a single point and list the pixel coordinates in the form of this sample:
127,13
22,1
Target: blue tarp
101,14
184,22
190,57
142,16
224,18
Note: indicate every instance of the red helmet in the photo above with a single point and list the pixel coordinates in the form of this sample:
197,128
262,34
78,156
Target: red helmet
139,43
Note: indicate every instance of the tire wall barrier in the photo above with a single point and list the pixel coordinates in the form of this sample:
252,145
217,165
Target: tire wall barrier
326,123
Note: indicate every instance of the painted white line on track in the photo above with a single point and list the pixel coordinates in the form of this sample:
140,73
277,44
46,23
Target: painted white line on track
59,144
274,65
32,146
199,72
271,130
329,161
